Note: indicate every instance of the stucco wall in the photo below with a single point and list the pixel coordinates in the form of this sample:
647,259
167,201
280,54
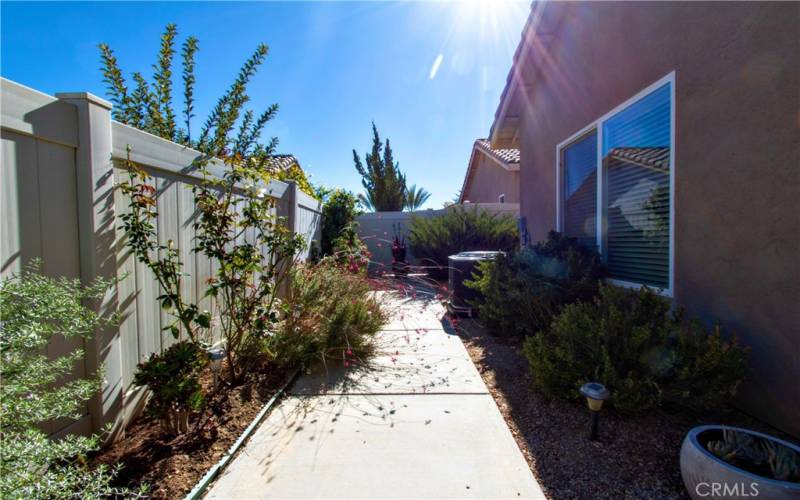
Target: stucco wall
489,180
737,157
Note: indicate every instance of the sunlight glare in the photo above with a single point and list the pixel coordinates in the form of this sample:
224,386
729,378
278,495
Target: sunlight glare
493,22
435,67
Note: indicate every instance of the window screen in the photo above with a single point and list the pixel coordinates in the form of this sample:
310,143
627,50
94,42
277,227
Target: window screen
580,189
636,158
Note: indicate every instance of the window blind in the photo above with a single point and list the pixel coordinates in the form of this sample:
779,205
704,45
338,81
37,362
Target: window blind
580,189
636,161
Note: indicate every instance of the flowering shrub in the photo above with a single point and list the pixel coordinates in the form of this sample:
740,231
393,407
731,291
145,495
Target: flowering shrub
235,216
33,309
331,313
349,251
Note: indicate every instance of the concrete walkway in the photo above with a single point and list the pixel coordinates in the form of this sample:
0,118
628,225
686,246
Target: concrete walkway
417,423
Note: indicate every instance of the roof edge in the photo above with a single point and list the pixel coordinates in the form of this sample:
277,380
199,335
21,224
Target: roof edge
478,147
512,80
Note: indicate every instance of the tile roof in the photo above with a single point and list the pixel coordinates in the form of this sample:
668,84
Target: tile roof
510,155
508,158
656,158
281,162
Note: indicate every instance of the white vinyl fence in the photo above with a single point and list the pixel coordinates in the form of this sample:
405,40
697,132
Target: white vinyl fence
61,160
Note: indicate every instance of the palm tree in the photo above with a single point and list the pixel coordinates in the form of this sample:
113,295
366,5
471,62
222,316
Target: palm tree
415,198
366,201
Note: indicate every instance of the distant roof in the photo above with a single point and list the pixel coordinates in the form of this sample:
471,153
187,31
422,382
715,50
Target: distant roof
509,155
281,162
505,158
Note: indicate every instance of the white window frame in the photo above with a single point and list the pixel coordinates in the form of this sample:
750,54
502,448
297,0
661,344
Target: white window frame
597,125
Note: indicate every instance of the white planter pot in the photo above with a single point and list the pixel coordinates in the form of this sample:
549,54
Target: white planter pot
707,477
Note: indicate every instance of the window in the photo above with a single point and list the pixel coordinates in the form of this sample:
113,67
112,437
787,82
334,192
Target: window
627,215
579,163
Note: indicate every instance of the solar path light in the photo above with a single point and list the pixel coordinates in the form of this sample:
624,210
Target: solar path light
595,394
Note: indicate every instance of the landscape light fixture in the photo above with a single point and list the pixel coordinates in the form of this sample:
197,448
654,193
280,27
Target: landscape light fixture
216,355
595,394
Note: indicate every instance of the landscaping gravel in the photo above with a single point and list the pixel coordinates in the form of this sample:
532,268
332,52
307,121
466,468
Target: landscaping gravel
637,456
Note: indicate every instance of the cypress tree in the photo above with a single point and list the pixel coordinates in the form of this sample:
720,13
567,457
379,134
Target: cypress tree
384,183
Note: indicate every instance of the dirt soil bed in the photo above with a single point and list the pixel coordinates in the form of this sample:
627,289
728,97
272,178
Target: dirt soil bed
637,456
172,466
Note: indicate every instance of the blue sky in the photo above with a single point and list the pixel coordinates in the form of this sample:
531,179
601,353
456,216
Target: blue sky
333,67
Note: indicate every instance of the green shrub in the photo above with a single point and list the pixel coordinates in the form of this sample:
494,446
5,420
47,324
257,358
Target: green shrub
33,310
630,341
709,369
350,251
432,240
331,313
338,213
579,268
513,302
173,379
520,293
293,173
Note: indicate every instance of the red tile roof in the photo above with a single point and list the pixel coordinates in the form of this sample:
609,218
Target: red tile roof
510,155
508,158
281,162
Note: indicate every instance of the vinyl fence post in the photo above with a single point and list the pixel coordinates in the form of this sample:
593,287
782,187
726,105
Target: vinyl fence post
287,209
96,226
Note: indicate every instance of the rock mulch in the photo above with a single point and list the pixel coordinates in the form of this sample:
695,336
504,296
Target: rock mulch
637,456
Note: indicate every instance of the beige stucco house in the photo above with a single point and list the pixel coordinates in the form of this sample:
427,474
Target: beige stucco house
667,134
492,175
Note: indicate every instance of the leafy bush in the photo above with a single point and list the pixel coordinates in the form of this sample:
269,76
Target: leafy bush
338,213
173,378
521,292
578,268
433,240
33,310
331,313
350,251
298,175
709,370
630,341
513,301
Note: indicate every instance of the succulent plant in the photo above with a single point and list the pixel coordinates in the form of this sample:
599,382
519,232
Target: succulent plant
738,445
783,462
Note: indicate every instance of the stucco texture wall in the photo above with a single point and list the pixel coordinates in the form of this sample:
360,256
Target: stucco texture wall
737,157
488,180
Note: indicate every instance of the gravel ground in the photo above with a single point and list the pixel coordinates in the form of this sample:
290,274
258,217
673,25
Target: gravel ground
635,457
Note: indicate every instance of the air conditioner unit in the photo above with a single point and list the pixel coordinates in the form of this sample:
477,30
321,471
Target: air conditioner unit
460,268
